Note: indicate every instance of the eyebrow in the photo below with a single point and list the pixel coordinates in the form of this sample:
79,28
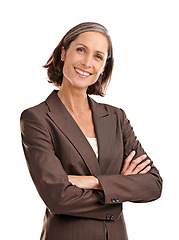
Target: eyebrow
87,48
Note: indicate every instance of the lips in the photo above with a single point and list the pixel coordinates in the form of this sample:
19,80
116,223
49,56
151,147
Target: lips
82,72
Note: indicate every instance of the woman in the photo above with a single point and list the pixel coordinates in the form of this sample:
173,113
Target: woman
83,156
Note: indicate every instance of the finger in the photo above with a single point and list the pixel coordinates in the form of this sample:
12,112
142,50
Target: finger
127,162
146,170
141,167
136,162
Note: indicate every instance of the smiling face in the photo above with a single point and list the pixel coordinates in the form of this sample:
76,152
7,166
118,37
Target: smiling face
85,60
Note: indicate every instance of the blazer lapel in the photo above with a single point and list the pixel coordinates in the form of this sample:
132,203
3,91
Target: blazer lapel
64,121
105,126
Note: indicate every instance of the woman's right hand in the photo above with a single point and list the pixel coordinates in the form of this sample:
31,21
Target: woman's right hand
135,166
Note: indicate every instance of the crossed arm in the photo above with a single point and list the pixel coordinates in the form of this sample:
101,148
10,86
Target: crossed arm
60,196
137,166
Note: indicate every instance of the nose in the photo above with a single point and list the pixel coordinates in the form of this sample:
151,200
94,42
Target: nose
87,61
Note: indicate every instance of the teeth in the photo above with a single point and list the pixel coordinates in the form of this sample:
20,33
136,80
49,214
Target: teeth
81,72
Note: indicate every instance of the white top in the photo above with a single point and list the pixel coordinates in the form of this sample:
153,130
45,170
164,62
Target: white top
94,145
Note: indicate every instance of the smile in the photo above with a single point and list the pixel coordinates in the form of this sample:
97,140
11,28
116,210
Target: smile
86,74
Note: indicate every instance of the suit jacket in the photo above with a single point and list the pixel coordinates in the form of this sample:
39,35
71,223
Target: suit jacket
55,147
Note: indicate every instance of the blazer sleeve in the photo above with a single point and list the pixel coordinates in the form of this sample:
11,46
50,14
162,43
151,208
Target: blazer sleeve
49,177
135,188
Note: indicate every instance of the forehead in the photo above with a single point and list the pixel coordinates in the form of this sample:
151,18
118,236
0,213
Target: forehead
94,40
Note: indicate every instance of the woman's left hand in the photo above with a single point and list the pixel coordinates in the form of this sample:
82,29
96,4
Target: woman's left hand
138,166
85,182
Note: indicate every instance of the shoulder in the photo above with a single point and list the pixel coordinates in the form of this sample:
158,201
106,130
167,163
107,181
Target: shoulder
118,112
109,109
113,109
38,111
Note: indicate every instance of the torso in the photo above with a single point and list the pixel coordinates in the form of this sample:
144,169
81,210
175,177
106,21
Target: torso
85,123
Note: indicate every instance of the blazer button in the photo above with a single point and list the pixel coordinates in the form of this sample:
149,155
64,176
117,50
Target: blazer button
117,199
113,200
108,217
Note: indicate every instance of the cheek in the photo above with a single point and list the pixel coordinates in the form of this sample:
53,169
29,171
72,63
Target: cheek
99,68
68,61
67,67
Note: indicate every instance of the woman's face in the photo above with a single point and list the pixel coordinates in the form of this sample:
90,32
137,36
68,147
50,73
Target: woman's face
85,59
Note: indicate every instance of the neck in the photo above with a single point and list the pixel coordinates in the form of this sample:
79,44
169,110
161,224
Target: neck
75,100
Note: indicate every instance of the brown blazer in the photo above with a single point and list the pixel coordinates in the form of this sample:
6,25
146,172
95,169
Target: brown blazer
54,147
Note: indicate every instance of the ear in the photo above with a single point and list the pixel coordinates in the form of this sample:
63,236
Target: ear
63,52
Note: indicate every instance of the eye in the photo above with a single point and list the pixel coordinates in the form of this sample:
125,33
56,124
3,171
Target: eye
81,50
99,57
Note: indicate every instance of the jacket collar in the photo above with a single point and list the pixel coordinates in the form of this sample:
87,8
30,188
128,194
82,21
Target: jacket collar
56,106
104,123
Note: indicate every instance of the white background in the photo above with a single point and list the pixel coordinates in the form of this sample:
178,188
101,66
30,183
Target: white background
145,37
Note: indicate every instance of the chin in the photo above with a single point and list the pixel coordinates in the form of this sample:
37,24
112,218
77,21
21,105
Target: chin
83,84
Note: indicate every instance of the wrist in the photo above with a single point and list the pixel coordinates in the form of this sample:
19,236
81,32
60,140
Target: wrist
96,184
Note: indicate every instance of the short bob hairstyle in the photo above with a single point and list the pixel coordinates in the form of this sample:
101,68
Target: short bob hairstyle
55,65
